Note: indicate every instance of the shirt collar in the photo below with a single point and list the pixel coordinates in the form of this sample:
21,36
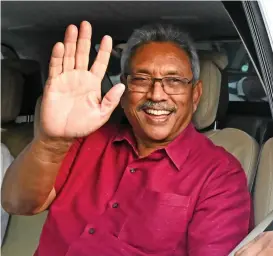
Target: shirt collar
126,133
178,150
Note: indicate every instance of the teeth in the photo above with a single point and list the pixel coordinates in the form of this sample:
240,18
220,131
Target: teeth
157,112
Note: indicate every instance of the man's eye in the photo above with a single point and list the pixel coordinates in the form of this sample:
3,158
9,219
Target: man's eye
140,80
173,80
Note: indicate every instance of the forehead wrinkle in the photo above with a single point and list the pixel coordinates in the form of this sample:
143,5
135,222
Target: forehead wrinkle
160,67
161,58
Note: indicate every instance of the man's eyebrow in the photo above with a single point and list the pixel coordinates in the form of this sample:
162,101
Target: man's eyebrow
173,72
144,71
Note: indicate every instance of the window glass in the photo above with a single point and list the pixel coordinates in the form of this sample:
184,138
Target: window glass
243,82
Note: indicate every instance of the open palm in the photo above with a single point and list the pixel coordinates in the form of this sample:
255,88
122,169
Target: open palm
72,104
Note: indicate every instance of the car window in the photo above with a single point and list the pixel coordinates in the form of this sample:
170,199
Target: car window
243,82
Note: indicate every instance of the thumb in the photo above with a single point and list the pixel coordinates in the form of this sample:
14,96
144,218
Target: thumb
112,99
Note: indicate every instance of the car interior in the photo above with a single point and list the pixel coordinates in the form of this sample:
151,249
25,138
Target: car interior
234,110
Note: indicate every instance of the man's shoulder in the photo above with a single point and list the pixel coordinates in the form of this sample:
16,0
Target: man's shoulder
219,164
215,152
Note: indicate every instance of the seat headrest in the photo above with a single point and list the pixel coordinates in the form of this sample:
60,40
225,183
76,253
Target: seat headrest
33,85
220,59
25,66
211,65
12,84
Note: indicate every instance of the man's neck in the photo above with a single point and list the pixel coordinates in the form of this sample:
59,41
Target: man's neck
146,147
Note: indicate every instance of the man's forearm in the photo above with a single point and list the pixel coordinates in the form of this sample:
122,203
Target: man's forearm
29,182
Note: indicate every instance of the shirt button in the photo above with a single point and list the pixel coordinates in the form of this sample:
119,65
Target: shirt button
132,170
115,205
92,231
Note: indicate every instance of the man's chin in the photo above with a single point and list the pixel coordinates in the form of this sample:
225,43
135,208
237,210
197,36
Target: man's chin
157,133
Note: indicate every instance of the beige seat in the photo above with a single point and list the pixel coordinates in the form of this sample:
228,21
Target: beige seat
263,191
15,136
263,195
238,143
23,232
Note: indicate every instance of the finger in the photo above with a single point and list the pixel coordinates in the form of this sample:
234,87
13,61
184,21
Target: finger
270,237
111,100
248,245
83,46
70,40
56,60
101,62
267,241
253,247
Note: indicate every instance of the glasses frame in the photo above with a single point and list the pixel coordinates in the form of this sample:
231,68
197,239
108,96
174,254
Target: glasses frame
154,79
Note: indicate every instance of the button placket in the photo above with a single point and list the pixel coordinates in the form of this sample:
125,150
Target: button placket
92,231
132,170
115,205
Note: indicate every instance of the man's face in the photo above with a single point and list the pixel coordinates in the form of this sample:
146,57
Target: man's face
156,115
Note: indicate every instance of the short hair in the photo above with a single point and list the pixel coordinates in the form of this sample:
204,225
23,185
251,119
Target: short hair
160,33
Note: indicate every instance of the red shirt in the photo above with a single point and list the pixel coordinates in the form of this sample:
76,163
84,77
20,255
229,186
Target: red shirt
190,198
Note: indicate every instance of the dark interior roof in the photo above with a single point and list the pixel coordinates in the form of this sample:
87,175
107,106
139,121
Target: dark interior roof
204,19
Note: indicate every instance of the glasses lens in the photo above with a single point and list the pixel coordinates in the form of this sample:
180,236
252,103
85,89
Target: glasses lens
174,85
171,85
139,83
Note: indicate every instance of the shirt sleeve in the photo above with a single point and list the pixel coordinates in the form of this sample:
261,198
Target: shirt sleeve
223,214
67,165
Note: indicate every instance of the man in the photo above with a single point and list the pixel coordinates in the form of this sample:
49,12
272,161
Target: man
154,187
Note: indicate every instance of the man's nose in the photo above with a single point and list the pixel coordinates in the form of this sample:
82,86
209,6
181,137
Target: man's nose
157,92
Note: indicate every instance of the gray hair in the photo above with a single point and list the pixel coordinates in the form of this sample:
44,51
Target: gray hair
160,33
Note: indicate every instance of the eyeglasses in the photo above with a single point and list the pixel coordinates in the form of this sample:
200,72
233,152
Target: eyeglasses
171,85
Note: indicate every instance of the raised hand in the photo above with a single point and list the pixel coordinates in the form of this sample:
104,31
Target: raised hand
72,105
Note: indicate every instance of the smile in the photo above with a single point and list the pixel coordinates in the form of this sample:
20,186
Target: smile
157,117
155,112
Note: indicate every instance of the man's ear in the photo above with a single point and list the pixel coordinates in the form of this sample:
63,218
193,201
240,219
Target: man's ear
197,93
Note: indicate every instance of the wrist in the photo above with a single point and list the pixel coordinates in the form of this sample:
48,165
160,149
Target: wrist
51,150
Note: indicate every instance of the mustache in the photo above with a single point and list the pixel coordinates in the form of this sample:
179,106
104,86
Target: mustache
156,106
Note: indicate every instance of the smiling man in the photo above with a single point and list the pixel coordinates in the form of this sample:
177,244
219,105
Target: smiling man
161,98
153,187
